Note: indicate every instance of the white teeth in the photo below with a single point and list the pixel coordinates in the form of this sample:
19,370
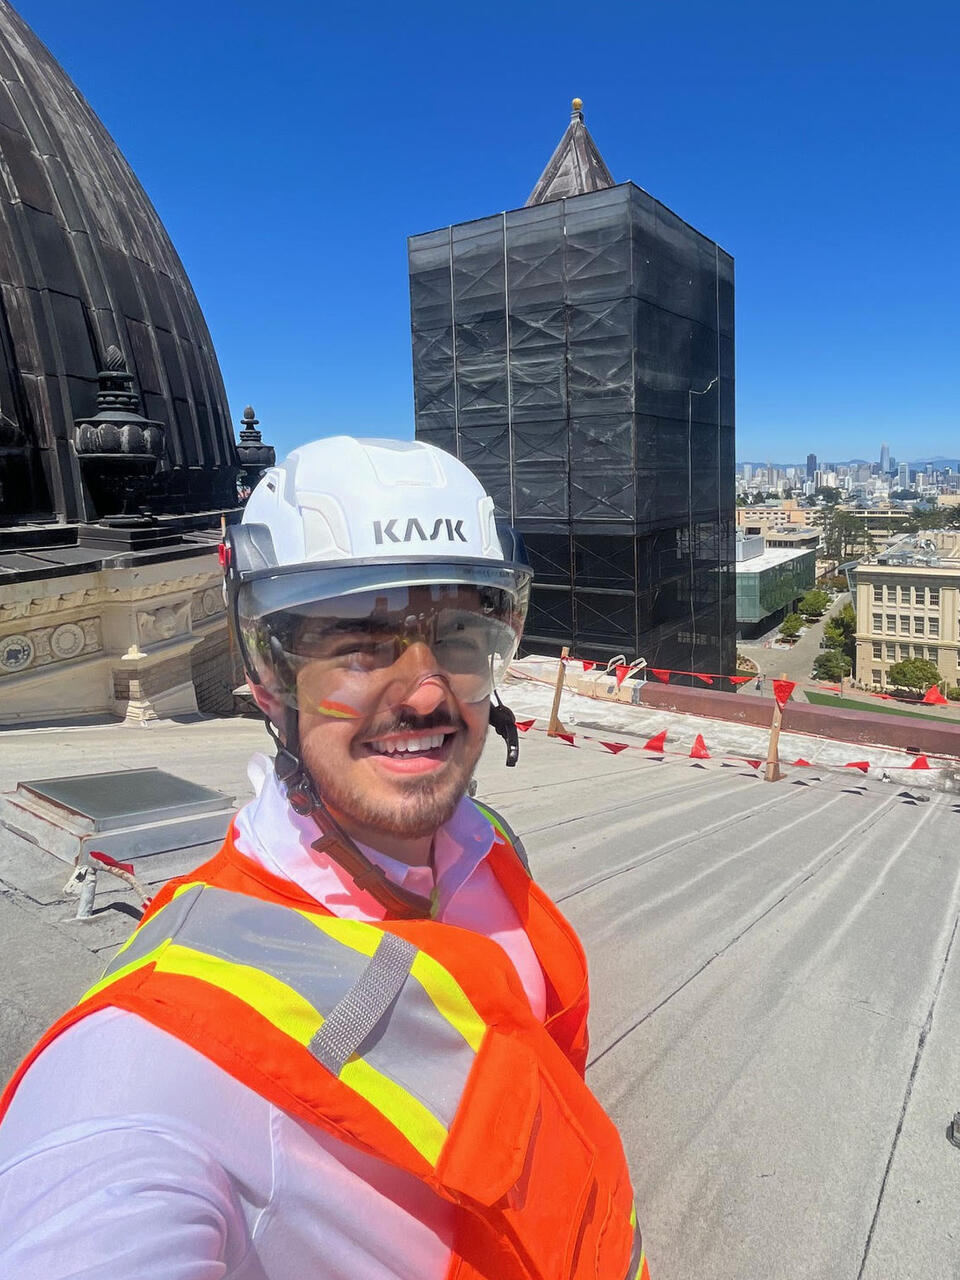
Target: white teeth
404,745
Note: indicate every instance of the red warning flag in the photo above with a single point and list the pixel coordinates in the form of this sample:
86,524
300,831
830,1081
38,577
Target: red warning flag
782,690
862,765
740,679
588,666
567,737
657,742
615,747
622,673
699,749
921,762
934,698
524,725
112,862
800,761
661,675
755,764
705,679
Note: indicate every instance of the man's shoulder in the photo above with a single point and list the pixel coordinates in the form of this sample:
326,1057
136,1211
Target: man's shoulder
114,1064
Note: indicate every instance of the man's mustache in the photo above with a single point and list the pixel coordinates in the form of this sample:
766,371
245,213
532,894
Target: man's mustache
408,722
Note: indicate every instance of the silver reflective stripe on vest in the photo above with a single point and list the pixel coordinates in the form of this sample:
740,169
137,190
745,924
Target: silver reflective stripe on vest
636,1256
360,1011
263,935
155,930
370,1007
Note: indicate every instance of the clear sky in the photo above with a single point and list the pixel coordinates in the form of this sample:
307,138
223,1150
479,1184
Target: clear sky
291,147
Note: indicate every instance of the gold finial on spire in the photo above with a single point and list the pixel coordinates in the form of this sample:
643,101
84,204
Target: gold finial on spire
577,104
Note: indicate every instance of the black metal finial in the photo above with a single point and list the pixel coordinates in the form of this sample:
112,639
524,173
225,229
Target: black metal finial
254,455
115,360
249,423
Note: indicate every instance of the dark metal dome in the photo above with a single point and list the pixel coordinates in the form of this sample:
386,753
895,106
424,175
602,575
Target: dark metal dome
86,265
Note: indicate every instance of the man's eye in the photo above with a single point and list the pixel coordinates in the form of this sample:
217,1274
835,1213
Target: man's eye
361,647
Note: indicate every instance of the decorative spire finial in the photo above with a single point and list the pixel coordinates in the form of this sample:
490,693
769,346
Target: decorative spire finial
576,109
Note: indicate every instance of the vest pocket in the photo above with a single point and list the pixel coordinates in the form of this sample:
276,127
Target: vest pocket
517,1149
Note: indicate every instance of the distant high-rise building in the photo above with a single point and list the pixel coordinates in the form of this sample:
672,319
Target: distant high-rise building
811,465
903,476
578,355
884,459
747,472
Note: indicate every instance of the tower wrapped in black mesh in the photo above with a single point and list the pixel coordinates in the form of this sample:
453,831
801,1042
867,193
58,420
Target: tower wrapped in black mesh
578,355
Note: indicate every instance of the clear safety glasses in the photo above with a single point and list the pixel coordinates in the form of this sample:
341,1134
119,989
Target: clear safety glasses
367,647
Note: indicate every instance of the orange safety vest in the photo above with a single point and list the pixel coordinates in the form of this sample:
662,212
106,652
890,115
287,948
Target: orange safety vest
412,1040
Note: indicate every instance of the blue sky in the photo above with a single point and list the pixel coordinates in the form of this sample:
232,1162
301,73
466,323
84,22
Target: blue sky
290,149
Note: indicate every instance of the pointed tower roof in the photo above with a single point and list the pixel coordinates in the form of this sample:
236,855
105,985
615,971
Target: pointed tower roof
575,167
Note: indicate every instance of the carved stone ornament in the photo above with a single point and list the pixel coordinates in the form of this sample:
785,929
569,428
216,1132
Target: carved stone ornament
67,641
16,653
45,646
157,625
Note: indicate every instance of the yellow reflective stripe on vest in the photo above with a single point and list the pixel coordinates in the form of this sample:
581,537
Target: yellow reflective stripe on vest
637,1255
449,999
284,962
418,1125
355,934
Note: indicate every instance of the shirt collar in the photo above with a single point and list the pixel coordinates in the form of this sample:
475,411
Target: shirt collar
268,830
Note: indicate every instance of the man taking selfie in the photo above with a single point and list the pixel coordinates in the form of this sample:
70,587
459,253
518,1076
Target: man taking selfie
351,1045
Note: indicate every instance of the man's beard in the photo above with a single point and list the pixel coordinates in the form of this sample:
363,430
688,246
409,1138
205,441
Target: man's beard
424,805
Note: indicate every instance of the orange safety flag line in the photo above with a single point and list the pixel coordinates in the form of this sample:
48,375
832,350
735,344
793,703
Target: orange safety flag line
934,698
755,764
657,742
660,674
782,690
705,679
740,679
699,749
921,762
615,747
566,737
588,666
862,765
524,725
622,672
800,761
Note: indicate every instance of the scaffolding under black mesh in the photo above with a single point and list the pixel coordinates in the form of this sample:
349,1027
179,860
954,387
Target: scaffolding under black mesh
578,356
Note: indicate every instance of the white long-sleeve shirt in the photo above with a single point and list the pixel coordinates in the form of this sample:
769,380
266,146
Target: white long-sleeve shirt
126,1153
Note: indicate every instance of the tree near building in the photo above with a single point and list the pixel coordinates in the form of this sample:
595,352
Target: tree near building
840,631
831,665
844,534
923,518
814,604
917,674
791,626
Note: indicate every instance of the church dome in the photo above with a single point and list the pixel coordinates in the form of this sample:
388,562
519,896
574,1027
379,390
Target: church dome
86,266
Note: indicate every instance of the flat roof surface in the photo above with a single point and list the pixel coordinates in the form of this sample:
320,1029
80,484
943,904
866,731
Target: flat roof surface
775,983
770,557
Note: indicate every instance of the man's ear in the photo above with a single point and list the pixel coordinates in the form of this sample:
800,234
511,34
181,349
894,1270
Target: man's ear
269,704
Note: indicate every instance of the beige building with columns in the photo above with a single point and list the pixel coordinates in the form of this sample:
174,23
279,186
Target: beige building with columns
908,606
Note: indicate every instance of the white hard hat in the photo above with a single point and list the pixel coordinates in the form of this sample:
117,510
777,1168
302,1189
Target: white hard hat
341,533
342,499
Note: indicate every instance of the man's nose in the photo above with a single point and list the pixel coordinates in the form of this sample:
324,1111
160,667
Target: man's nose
420,682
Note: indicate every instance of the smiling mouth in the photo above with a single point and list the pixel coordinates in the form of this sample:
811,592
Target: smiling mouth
411,746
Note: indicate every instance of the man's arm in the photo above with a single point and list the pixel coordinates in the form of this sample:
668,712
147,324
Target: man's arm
117,1199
